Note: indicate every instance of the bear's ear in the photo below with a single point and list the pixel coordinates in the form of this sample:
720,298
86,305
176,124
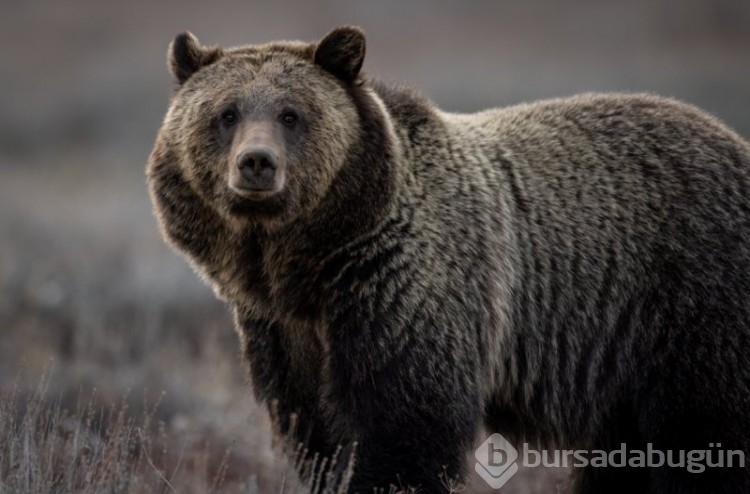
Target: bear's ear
186,55
342,52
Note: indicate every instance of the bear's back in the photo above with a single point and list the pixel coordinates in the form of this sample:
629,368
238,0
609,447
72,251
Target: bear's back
632,170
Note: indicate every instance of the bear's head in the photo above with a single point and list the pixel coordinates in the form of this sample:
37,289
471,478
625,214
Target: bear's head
261,133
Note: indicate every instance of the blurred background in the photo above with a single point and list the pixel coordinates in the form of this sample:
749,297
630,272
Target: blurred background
87,287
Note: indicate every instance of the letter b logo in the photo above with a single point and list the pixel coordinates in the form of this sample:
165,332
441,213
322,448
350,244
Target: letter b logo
496,461
497,456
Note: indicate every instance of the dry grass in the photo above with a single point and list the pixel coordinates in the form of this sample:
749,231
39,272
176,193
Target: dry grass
94,448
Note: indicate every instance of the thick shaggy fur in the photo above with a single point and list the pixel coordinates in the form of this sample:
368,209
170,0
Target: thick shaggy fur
573,272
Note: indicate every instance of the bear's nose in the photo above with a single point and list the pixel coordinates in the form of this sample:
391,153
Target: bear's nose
259,168
257,160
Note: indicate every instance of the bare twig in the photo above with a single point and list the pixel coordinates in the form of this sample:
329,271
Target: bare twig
148,459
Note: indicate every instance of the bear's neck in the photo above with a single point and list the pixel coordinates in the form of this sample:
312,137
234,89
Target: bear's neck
363,191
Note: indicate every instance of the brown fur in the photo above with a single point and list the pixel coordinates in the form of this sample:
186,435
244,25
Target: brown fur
572,272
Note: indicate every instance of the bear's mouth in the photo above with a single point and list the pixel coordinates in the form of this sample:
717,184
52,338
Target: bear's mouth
252,203
254,194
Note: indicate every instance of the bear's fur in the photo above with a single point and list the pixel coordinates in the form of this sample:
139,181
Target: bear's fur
573,272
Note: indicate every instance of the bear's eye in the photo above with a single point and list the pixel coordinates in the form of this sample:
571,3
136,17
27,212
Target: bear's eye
229,117
289,118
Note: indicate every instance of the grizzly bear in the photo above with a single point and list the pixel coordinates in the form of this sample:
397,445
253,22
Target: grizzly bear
574,273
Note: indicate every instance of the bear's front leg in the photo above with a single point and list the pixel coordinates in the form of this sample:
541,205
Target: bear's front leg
287,386
409,397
